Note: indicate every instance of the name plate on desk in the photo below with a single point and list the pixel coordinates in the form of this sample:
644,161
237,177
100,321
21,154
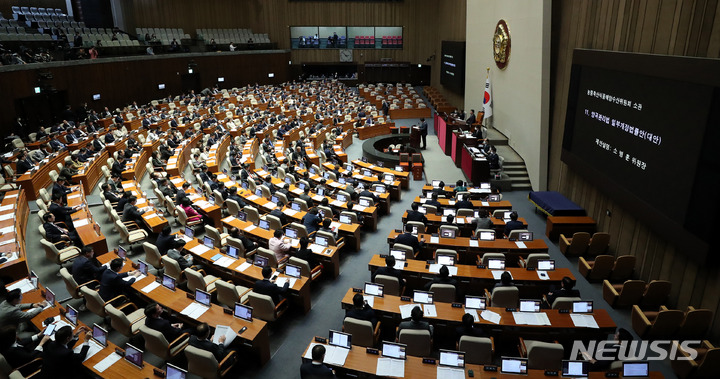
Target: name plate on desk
490,368
510,309
429,361
373,351
405,298
321,340
551,373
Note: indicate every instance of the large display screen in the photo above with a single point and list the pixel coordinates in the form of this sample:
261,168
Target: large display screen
637,127
452,66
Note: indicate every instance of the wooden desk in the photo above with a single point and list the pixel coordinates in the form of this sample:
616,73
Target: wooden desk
344,140
473,280
31,182
256,336
388,306
330,256
403,177
365,132
298,294
477,204
401,113
176,163
393,189
18,213
217,154
467,254
361,364
476,193
153,218
92,173
557,225
465,224
211,210
86,228
135,167
475,168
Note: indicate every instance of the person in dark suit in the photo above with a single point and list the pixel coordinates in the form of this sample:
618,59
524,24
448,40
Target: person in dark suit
200,340
423,132
59,360
416,322
366,193
326,223
493,158
109,137
86,268
316,369
182,193
434,201
312,221
440,189
410,240
269,288
513,224
118,166
24,163
98,144
56,233
465,203
443,277
306,254
60,189
62,213
56,145
155,319
361,310
122,201
112,283
109,195
19,351
468,328
277,212
415,215
131,212
389,270
165,240
505,280
306,197
566,290
471,119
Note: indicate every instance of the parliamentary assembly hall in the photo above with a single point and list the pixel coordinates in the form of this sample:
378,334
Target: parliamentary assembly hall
359,189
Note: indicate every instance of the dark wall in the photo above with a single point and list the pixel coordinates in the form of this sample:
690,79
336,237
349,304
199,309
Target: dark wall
119,83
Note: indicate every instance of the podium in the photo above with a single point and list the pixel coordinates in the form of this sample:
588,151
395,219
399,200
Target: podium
415,138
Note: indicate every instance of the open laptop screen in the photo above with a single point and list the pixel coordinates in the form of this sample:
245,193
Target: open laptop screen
233,251
243,312
134,355
487,236
582,306
475,302
445,259
513,365
174,372
340,339
393,350
71,315
422,297
202,297
545,264
374,289
529,305
575,369
496,264
99,335
398,254
452,358
168,282
636,369
291,270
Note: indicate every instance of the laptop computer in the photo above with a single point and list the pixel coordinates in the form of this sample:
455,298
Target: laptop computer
345,219
374,289
496,264
399,168
142,267
202,297
394,350
487,236
525,236
475,302
233,252
168,282
190,232
99,335
259,192
274,199
174,372
301,185
121,252
367,172
398,254
485,185
260,261
380,189
449,212
389,177
636,369
506,215
321,191
422,297
447,233
436,183
585,306
243,312
295,206
263,224
546,264
292,270
529,305
340,339
242,216
575,369
510,365
341,198
364,202
134,356
71,315
209,242
320,240
450,358
493,198
291,233
445,259
50,296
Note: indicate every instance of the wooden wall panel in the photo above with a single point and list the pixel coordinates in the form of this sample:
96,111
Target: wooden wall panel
672,27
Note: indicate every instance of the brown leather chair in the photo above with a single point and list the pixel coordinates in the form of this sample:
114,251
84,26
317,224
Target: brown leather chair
575,246
623,295
656,294
623,268
696,324
661,324
598,244
542,355
705,365
596,270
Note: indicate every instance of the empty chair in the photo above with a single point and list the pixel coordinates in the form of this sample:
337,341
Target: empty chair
623,268
301,230
564,302
478,350
465,212
252,214
705,364
96,304
446,252
696,324
237,243
152,255
598,244
515,234
265,308
274,222
656,294
228,293
59,256
305,269
577,245
72,286
332,241
392,285
504,297
362,331
444,293
660,324
531,260
233,207
419,342
198,280
418,225
542,355
623,295
202,362
267,253
596,270
172,268
156,344
127,324
130,237
451,228
220,239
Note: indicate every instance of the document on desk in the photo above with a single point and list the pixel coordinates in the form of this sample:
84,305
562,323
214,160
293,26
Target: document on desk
359,208
11,196
297,191
390,367
435,269
369,299
8,216
429,310
317,249
281,281
270,205
224,262
520,244
491,316
82,222
199,249
7,207
450,373
11,240
584,321
128,185
203,204
94,349
193,196
224,330
252,197
228,219
406,309
290,212
399,265
7,229
107,362
250,228
148,288
243,266
131,277
498,273
473,243
434,239
531,318
24,285
194,310
543,275
337,203
150,216
177,180
485,203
